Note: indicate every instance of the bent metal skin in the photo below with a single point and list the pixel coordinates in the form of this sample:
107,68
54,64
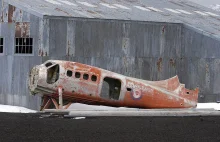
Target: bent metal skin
69,82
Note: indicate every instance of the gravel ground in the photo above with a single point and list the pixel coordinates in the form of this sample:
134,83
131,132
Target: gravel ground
29,127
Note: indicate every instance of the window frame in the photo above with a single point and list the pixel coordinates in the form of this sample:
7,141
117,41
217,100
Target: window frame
3,53
24,54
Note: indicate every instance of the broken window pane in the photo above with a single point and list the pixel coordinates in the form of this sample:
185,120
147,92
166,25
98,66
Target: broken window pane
23,45
16,50
48,64
1,41
1,49
1,45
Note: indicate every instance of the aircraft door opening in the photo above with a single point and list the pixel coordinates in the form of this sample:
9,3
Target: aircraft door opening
111,88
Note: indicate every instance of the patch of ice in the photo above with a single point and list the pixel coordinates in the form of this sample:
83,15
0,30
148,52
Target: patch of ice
15,109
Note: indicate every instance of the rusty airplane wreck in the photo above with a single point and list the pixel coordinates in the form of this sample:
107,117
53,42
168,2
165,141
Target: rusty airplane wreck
61,83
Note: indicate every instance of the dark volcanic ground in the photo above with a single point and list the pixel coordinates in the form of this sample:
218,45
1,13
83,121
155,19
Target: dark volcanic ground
29,127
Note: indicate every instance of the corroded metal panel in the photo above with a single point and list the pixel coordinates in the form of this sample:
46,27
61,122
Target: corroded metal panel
43,40
19,72
17,15
70,48
76,82
147,50
22,29
58,37
11,10
151,51
4,11
34,32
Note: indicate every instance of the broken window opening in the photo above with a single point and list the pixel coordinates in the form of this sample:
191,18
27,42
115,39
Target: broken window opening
48,64
53,74
111,88
23,45
94,78
1,45
85,76
69,73
77,74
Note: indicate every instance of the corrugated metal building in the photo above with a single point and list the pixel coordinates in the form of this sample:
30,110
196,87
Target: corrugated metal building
145,39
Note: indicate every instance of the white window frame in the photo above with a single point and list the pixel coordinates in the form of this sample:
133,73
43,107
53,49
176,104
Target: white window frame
24,54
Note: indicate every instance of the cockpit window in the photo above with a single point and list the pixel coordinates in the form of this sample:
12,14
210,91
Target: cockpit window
48,64
53,74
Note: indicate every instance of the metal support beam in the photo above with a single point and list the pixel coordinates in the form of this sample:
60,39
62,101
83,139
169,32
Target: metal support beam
60,90
46,106
55,103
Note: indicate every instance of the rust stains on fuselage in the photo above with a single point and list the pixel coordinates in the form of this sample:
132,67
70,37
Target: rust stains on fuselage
87,84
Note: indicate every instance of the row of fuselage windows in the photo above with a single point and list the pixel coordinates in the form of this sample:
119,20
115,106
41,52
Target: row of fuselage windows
22,46
85,75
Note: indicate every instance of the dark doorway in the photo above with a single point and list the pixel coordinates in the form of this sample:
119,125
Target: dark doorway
111,88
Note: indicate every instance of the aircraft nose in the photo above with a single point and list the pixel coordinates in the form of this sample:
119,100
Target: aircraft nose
33,79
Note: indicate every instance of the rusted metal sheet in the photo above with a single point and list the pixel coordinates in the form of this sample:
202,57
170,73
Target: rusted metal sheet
16,15
22,29
91,85
43,40
4,11
70,49
11,10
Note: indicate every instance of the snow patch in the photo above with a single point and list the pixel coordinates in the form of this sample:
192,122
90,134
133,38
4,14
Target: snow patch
215,106
15,109
78,118
78,106
215,7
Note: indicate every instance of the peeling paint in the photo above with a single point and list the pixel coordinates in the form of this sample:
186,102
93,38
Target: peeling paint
22,29
159,64
172,62
128,92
